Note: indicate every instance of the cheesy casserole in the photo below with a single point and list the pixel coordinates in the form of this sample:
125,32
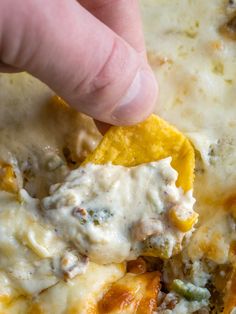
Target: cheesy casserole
83,238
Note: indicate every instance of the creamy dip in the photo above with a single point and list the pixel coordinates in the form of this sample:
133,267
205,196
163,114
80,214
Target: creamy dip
196,70
114,213
33,257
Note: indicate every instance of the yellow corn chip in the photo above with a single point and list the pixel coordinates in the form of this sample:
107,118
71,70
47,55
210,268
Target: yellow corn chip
148,141
59,102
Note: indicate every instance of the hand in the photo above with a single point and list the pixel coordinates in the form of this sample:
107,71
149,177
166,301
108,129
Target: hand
90,52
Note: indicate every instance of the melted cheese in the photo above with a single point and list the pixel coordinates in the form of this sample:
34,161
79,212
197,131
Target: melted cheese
195,66
114,213
196,69
27,113
187,52
131,294
79,296
32,255
182,307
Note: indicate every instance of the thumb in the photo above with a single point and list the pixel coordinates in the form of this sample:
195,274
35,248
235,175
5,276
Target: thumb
80,58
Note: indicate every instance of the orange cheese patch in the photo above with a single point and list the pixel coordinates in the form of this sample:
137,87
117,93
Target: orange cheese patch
135,294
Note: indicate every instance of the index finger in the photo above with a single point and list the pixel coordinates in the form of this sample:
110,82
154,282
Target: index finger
122,16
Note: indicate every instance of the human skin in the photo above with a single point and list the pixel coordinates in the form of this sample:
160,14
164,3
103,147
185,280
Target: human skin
90,52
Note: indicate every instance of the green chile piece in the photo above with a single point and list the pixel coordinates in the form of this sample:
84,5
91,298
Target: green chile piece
189,291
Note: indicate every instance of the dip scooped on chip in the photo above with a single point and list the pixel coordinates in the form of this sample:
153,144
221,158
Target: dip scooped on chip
132,196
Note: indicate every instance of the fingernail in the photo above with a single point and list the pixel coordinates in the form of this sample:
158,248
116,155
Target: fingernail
133,90
139,100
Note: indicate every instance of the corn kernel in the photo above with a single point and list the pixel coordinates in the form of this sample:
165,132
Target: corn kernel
183,225
5,298
7,178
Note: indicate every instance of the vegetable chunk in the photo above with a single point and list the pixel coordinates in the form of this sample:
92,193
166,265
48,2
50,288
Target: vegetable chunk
7,178
189,291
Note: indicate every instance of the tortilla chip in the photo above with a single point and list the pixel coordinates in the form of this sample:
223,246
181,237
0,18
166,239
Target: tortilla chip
148,141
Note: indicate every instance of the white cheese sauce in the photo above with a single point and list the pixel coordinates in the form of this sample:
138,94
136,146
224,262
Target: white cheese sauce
195,65
196,70
33,257
36,133
114,213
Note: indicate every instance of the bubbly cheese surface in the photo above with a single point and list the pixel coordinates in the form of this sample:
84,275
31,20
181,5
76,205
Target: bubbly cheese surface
195,64
78,296
33,257
114,213
196,68
38,135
